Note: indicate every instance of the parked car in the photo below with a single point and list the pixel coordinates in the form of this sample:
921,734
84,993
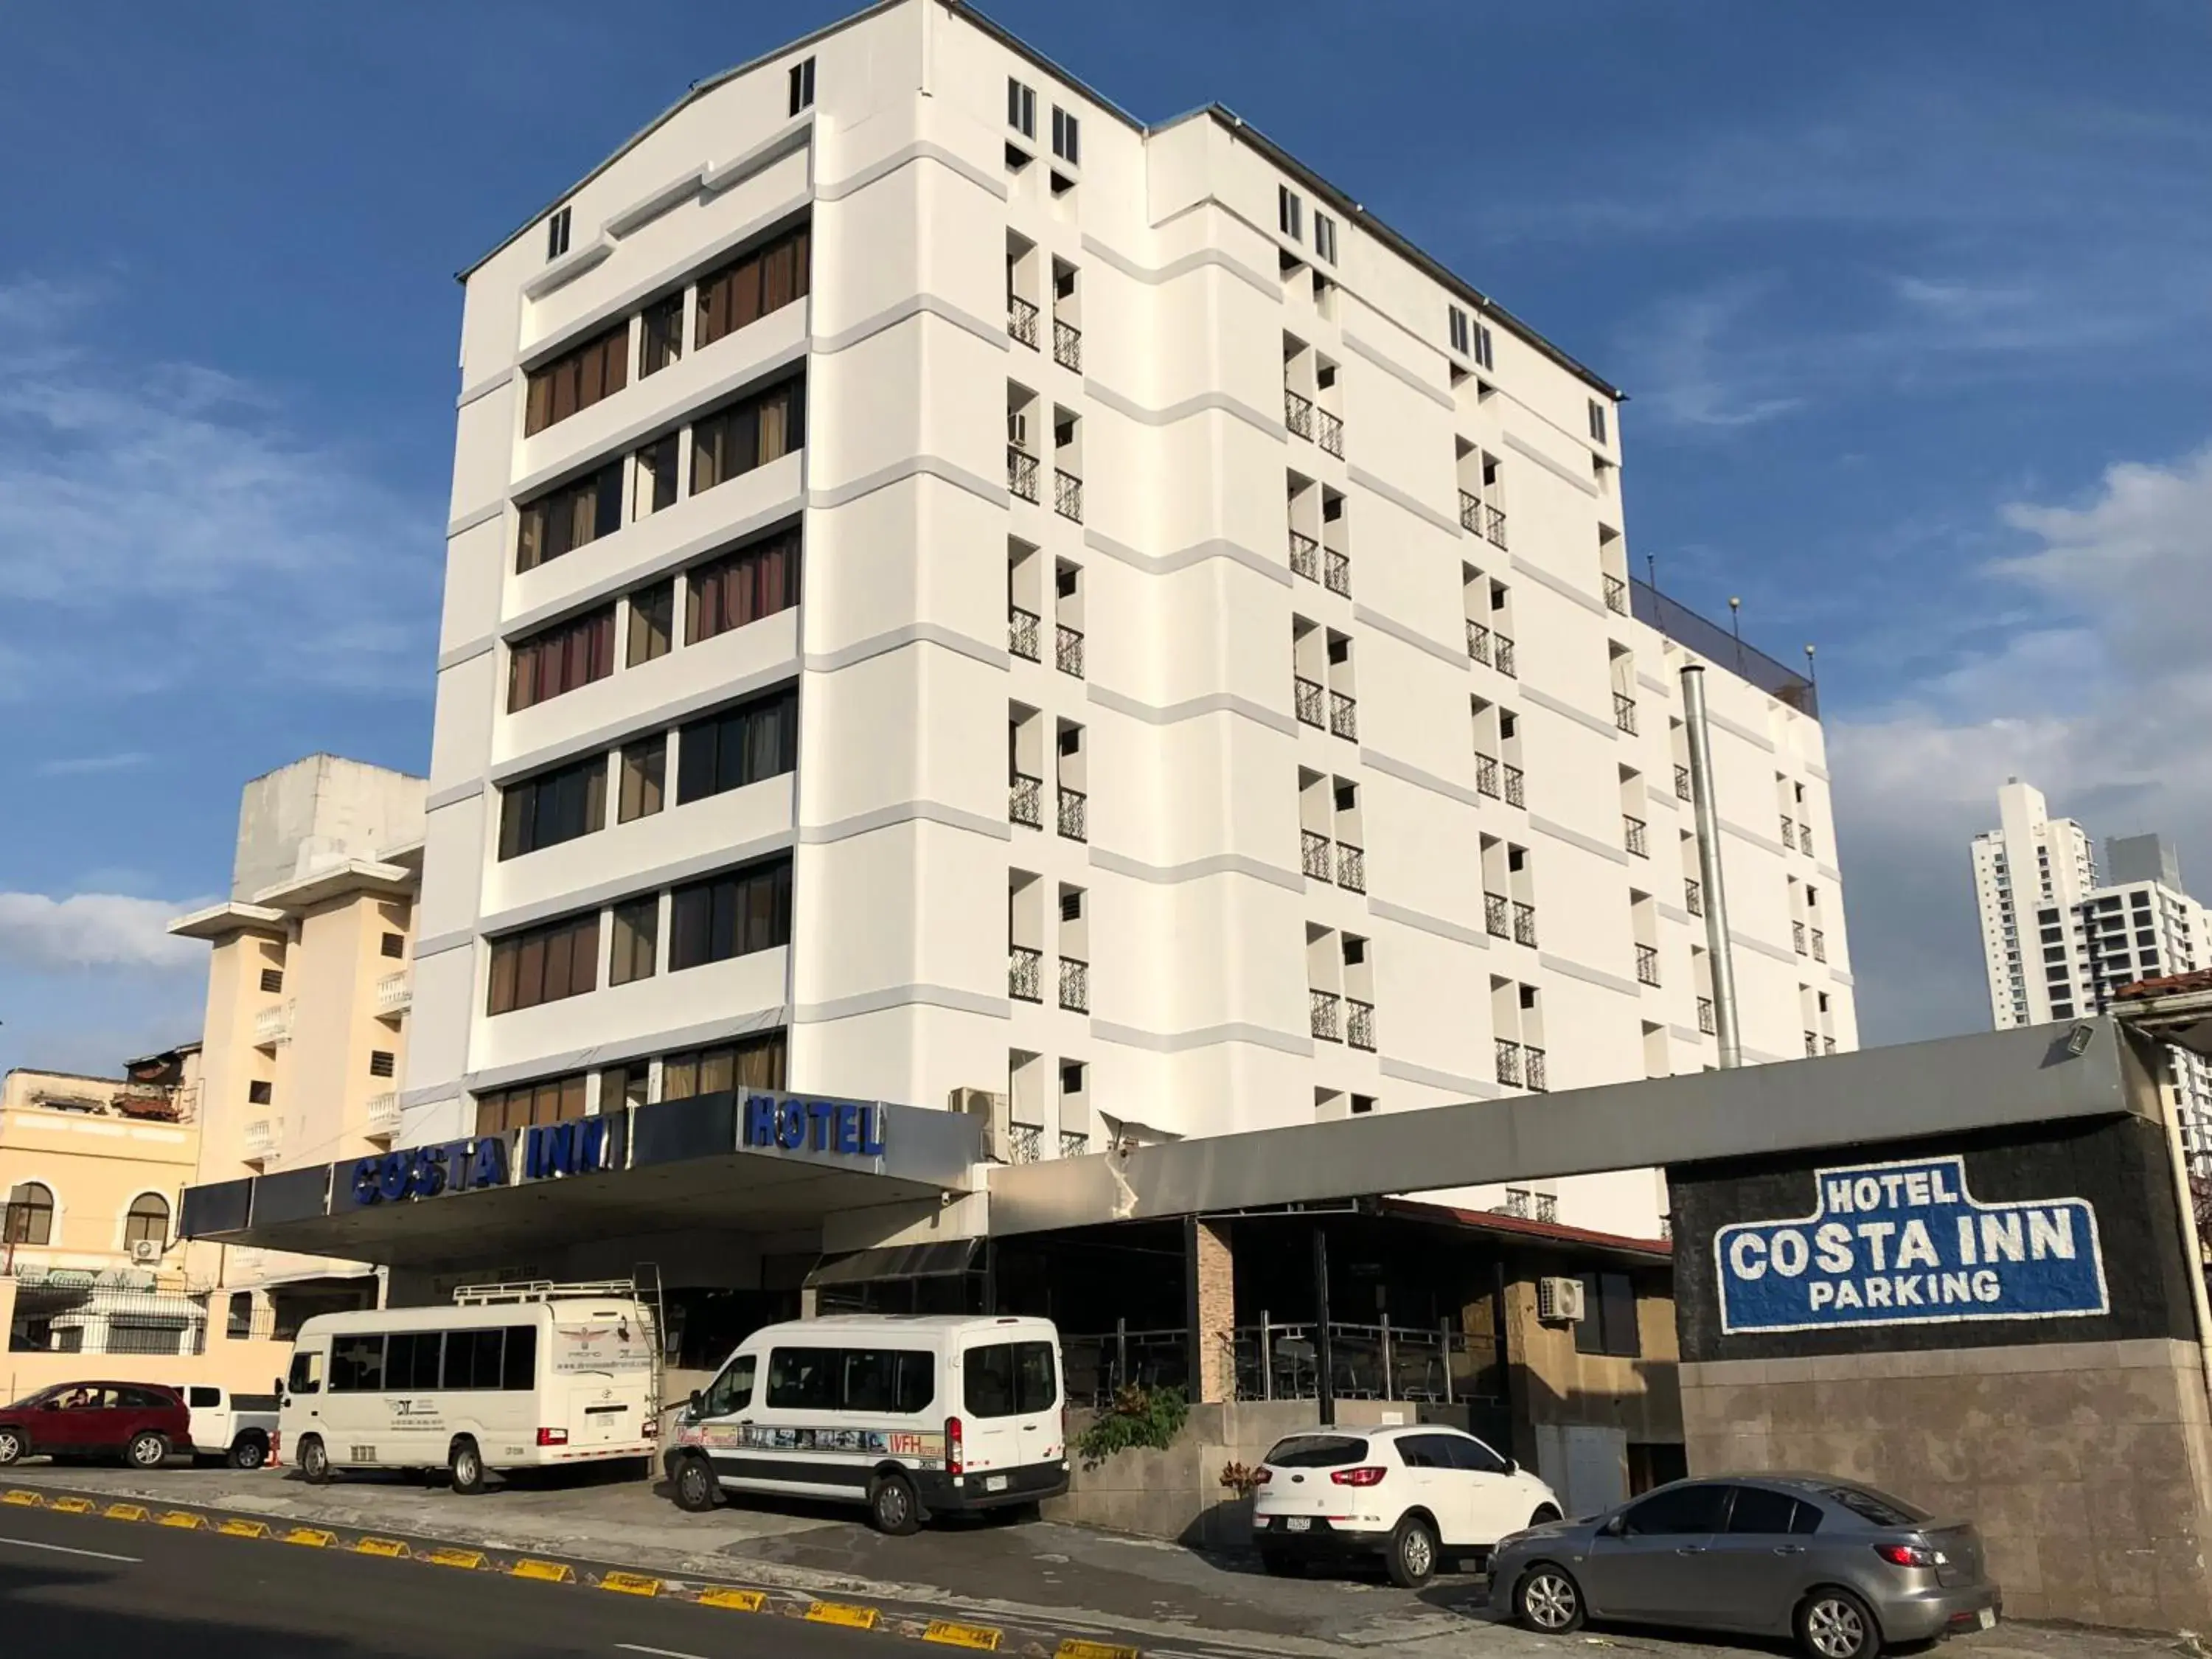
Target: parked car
238,1429
140,1423
1414,1496
1843,1568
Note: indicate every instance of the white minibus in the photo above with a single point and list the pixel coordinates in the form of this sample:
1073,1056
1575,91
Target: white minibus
911,1416
510,1376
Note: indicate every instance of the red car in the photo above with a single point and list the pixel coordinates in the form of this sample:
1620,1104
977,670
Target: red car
140,1423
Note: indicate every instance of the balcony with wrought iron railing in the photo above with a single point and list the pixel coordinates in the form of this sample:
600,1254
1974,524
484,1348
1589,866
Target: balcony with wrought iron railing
1616,596
1022,321
1305,697
1067,495
1797,936
1508,1062
1298,414
1022,632
1073,1143
384,1116
273,1025
1647,964
1533,1075
1623,712
1827,1045
1350,867
1486,775
1470,512
1705,1020
1682,790
1693,895
1336,571
1344,716
1497,916
260,1137
1788,834
395,992
1075,814
1516,793
1330,432
1524,924
1811,1045
1068,649
1634,835
1021,472
1523,1205
1074,985
1025,974
1820,946
1805,839
1025,800
1305,557
1313,852
1493,525
1501,652
1322,1014
1359,1024
1478,642
1025,1143
1067,345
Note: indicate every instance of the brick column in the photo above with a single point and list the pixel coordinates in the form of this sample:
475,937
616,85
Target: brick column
1213,1299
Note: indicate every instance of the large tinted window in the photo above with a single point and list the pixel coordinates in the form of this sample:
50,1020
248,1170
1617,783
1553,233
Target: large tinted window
730,915
1424,1451
410,1360
472,1358
752,285
738,746
804,1379
1318,1451
732,1391
519,1360
1760,1511
206,1399
1608,1323
566,519
561,658
1878,1507
1678,1510
743,586
748,433
1005,1379
1469,1454
545,964
889,1380
577,378
356,1364
553,807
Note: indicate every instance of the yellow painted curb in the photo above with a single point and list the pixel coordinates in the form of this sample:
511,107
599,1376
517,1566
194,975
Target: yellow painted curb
236,1528
126,1512
549,1572
839,1613
23,1500
390,1548
313,1537
470,1560
184,1520
981,1637
737,1601
630,1583
1075,1648
75,1505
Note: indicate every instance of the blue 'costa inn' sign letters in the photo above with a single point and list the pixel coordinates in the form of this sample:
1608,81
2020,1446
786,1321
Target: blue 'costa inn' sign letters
1906,1244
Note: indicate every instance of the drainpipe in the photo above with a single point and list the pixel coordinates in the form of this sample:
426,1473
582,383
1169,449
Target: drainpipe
1709,865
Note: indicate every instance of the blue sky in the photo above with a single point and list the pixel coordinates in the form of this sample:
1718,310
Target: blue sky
1911,300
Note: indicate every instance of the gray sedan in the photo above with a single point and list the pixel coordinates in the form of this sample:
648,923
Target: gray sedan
1841,1567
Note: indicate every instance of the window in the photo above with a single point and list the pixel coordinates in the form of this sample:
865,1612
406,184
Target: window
802,85
1482,345
660,335
1424,1451
559,659
1877,1507
356,1364
895,1380
732,1391
577,378
625,1086
1067,137
1325,237
395,945
29,1218
755,1063
636,940
379,1062
556,233
804,1379
1677,1511
1317,1451
554,1100
305,1375
147,1221
1070,904
1021,108
1761,1511
1071,1077
411,1360
518,1366
238,1315
553,807
472,1358
767,278
730,915
742,587
1455,323
749,434
564,520
1608,1323
741,745
258,1094
651,619
544,964
1597,422
1361,1104
1008,1379
644,765
272,979
1470,1454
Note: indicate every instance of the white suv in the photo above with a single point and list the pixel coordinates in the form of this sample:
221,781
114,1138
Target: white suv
1415,1496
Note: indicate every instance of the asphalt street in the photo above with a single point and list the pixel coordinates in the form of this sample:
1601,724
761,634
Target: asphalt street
78,1586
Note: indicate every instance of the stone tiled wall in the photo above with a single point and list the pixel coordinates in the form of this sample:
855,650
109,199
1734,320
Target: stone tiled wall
2087,1466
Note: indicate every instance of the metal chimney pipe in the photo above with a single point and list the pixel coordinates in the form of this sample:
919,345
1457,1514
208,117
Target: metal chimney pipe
1709,865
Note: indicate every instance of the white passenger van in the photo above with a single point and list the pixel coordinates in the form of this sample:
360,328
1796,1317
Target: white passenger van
511,1377
909,1416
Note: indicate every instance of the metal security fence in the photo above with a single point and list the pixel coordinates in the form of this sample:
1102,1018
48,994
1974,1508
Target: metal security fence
62,1318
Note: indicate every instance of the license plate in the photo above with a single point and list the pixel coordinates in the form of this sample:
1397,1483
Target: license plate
1989,1618
994,1483
1297,1524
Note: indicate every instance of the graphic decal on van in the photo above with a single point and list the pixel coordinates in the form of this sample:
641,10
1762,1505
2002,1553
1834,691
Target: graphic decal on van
924,1448
581,1348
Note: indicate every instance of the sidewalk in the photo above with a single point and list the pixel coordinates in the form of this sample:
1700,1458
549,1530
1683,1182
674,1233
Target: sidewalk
1163,1597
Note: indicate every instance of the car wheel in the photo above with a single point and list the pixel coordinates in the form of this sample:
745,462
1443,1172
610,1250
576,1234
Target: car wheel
1412,1553
466,1465
147,1450
249,1453
1548,1600
1834,1624
696,1486
11,1446
893,1508
314,1462
1278,1564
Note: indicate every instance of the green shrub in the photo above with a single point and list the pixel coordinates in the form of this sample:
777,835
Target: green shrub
1139,1417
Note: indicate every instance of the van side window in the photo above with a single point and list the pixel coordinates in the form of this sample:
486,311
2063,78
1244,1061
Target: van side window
804,1379
889,1380
732,1391
410,1360
518,1369
1005,1379
472,1358
356,1364
306,1374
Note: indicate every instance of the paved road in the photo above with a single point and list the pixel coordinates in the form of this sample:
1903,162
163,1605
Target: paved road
77,1587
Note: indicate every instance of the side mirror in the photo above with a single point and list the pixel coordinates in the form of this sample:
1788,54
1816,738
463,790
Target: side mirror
1512,1466
698,1400
1615,1527
277,1389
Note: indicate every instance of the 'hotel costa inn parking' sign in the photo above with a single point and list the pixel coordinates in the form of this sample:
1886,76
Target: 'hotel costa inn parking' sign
1906,1244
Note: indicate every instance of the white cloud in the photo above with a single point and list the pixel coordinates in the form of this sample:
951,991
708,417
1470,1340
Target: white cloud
2103,701
95,930
72,766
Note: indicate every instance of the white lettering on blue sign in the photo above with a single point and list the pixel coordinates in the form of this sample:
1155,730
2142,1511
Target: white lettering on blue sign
1907,1244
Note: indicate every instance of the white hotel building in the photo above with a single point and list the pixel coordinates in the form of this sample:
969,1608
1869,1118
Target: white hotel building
951,588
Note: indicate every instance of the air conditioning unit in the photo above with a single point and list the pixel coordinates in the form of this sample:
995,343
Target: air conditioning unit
997,1112
1559,1301
146,1249
1018,428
